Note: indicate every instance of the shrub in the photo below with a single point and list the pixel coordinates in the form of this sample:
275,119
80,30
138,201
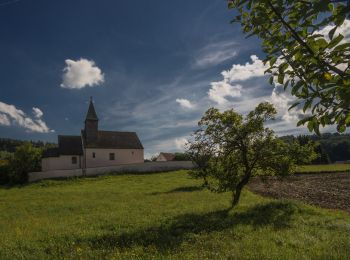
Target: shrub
26,158
182,157
4,172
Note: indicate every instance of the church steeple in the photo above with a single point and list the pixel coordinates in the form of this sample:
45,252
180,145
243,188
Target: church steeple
91,114
91,123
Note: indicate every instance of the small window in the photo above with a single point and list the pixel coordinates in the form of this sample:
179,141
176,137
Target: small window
93,155
111,156
74,160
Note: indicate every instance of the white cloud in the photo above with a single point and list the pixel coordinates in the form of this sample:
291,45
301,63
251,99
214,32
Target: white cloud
215,53
220,91
180,143
282,101
185,103
81,73
247,71
4,120
10,115
344,29
37,112
171,145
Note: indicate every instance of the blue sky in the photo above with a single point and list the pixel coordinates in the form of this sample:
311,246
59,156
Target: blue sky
152,67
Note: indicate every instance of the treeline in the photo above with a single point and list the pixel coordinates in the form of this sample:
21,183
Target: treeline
331,148
9,145
18,157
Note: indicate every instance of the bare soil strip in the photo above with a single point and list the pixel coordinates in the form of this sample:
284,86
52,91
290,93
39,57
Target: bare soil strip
328,190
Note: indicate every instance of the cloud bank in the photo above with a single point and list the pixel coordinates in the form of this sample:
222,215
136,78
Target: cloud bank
80,74
220,91
10,115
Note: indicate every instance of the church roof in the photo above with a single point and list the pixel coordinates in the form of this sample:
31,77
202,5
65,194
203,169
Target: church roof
168,156
51,152
91,114
115,140
70,145
67,145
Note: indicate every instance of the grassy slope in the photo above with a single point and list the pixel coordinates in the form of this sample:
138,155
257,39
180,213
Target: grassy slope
161,215
325,168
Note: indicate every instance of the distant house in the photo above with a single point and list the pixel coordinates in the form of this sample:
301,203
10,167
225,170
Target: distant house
164,157
93,148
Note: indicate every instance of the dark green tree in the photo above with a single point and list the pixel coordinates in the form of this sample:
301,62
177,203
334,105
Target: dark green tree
26,158
314,65
182,157
229,149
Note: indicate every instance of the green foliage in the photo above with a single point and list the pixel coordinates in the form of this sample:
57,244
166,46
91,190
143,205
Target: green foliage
329,147
4,172
182,157
316,67
110,218
229,149
26,158
9,145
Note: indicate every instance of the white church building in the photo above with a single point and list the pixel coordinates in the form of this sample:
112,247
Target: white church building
93,148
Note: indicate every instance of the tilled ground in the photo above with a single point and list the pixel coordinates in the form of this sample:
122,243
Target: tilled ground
328,190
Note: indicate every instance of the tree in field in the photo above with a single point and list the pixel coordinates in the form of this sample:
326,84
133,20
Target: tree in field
229,149
305,52
26,158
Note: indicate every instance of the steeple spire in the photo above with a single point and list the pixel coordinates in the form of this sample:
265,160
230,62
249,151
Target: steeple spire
91,123
91,114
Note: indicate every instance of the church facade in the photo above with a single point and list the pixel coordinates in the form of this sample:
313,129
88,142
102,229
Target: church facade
93,148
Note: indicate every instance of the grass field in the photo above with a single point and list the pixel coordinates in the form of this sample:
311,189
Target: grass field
159,216
324,168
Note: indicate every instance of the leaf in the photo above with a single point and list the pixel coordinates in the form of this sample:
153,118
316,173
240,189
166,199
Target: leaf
230,4
273,61
307,105
335,41
304,120
317,128
294,105
280,78
282,68
341,128
310,126
347,120
331,32
342,46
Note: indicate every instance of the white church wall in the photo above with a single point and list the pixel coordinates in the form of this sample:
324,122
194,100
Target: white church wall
131,168
63,162
121,156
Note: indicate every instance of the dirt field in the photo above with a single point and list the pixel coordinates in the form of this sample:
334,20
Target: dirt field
328,190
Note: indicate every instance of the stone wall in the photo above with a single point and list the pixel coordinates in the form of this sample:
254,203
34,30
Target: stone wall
127,168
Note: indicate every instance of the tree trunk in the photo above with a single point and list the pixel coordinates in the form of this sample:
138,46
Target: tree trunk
237,194
236,197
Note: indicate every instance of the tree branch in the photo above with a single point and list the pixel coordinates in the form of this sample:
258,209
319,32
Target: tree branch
301,42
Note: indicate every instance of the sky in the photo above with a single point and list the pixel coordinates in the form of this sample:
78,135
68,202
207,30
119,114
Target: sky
153,67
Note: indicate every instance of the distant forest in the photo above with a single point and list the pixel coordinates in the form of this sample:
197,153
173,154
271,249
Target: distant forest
332,147
9,145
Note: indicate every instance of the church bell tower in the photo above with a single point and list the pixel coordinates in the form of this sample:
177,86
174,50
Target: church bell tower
91,123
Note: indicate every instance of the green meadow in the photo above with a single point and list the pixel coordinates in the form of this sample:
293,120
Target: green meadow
341,167
163,215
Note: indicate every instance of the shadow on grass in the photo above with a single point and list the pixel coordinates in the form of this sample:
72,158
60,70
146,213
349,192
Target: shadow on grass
180,189
170,235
